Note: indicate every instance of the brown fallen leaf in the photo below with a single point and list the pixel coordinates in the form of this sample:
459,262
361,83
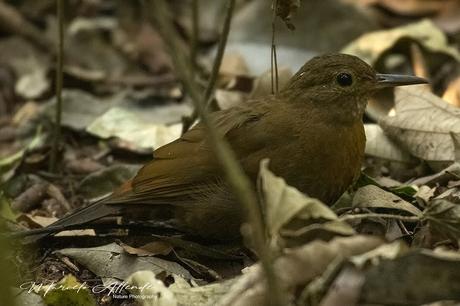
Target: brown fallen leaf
149,249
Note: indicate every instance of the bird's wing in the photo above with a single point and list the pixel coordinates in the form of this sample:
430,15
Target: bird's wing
187,165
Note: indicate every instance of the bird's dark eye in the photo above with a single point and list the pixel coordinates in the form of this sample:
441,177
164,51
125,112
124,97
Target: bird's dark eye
344,79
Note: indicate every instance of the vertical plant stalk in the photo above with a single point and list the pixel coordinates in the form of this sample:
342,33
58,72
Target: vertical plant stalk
273,57
216,65
195,35
237,179
59,68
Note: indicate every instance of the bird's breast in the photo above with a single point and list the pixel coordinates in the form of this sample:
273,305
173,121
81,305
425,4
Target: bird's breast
324,162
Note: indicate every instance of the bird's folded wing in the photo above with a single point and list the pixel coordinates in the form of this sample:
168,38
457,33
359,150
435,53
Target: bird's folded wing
186,166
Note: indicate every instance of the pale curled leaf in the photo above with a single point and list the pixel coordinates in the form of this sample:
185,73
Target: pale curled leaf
121,123
111,261
296,268
152,292
290,212
423,124
385,251
371,196
379,145
441,178
370,47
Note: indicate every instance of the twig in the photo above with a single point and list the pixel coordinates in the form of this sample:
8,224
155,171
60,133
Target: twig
216,65
273,57
375,215
59,69
238,181
195,34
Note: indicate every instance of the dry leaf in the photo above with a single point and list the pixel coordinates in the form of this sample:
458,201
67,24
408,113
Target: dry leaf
371,196
178,293
423,123
385,251
379,145
452,93
149,249
296,268
444,217
111,262
443,13
292,217
412,7
416,278
372,46
121,123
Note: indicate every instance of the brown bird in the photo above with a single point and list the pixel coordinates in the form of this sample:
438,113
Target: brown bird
312,132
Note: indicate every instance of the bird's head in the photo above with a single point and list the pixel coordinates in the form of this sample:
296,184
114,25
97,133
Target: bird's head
341,84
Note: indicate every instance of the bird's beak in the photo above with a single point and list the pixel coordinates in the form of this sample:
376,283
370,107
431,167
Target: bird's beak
391,80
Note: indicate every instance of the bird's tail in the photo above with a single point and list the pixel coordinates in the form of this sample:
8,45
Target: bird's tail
75,220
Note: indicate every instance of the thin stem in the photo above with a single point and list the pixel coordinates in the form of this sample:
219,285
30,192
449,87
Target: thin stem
216,65
195,34
235,176
220,52
375,215
273,56
59,69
